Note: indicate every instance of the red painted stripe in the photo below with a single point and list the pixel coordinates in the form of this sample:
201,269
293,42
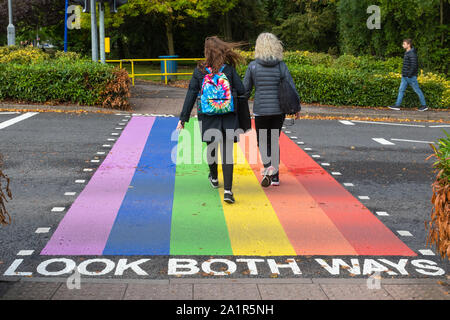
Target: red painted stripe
309,229
367,234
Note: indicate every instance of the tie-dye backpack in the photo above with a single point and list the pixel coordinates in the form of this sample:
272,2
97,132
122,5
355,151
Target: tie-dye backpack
215,95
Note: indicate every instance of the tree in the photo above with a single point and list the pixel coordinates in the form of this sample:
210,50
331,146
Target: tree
174,12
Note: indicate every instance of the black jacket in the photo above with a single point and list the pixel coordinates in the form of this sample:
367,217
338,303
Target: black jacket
410,64
265,76
239,119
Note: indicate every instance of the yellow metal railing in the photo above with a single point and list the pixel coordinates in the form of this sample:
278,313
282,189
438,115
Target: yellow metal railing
133,75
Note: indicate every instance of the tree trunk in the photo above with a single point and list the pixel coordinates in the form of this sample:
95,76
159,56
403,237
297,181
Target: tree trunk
169,33
227,32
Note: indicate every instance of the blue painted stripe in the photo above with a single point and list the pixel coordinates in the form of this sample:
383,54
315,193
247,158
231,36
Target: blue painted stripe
143,223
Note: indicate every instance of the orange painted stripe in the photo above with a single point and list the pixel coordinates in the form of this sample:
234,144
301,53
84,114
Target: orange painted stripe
309,229
367,234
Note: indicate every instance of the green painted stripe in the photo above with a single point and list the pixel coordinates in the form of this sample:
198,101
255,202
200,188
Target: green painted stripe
198,222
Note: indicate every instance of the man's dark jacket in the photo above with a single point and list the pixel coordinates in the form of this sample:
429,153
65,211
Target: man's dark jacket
410,64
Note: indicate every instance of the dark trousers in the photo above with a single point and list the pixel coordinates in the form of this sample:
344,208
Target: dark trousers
226,150
269,123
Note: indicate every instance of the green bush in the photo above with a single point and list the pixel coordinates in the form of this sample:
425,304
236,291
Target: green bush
30,75
357,81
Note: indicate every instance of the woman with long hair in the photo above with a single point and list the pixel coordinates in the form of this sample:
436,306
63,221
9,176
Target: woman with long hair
265,73
214,76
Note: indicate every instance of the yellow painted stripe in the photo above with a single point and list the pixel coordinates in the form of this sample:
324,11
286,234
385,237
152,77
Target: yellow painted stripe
253,225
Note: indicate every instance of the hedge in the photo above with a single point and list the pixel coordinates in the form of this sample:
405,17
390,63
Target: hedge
357,81
29,75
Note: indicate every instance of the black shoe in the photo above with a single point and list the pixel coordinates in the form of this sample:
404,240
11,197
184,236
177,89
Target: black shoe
394,108
275,180
423,108
214,182
228,197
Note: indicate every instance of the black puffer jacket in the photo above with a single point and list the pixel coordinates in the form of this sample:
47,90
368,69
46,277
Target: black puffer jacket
410,64
265,76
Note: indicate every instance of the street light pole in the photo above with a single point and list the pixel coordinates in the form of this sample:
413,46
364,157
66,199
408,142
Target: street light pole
94,30
11,29
101,12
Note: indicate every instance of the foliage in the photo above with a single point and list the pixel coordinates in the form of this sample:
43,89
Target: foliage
61,78
439,225
15,54
5,192
357,81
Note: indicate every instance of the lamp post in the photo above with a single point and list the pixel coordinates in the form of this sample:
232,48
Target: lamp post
94,30
11,29
101,12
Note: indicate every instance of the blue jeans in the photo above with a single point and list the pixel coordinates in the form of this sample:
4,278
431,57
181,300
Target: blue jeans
415,85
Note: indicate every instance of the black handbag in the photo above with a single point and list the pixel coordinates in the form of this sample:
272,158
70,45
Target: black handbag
289,99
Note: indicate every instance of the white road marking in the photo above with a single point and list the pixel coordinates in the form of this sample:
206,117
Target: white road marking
348,184
9,112
441,126
100,152
287,132
106,145
70,193
315,156
404,233
383,141
80,181
88,169
382,213
300,142
391,124
118,128
346,122
294,138
325,164
363,197
115,134
25,252
95,161
111,139
336,174
42,230
307,149
12,121
416,141
427,252
58,209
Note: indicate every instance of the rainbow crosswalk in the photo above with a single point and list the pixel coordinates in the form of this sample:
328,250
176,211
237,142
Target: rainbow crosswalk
145,200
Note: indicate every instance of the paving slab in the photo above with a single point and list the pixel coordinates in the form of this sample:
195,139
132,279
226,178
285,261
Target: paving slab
159,292
226,292
91,291
291,292
354,292
31,291
418,292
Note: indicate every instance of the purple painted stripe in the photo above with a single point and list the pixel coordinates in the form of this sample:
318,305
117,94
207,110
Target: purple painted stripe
86,226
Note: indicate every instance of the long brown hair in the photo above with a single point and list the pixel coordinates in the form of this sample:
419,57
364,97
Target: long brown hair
218,52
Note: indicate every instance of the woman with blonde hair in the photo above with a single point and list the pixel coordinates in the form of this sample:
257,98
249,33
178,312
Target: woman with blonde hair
265,74
216,82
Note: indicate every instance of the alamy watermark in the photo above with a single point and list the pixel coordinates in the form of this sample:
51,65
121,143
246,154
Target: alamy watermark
374,21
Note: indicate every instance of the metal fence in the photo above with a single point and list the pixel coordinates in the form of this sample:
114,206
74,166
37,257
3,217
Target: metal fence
133,75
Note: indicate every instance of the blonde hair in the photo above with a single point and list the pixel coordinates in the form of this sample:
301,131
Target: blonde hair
268,47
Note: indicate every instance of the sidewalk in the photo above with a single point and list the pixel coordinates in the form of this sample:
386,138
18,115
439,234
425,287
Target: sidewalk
226,289
148,98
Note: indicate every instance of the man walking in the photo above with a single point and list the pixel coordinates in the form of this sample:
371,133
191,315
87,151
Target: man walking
409,76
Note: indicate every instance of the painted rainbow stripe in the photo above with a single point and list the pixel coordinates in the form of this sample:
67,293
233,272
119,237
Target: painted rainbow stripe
140,203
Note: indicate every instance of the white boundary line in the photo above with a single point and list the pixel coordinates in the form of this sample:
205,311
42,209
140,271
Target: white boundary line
12,121
391,124
383,141
417,141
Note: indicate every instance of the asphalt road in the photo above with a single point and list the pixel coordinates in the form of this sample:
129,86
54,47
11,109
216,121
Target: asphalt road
47,153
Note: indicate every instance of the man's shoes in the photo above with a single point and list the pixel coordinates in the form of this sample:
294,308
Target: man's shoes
267,174
394,108
423,108
275,180
228,197
214,182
